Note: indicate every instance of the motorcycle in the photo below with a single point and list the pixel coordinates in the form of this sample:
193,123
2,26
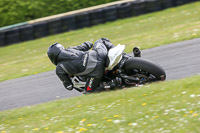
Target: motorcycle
130,71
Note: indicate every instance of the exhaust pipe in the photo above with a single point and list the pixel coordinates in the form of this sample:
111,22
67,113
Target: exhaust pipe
136,52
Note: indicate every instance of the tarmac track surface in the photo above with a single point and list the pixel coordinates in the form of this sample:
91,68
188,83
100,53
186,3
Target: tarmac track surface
180,60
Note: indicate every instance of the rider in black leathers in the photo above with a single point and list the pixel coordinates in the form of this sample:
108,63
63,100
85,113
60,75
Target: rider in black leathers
79,60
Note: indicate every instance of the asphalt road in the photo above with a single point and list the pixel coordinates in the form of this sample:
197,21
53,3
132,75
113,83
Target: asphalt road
180,60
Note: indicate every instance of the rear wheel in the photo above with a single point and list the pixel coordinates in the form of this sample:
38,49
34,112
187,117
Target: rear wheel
150,70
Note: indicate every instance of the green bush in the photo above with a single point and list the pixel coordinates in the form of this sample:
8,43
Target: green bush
16,11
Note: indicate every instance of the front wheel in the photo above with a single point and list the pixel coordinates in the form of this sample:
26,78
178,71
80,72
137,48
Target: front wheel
142,66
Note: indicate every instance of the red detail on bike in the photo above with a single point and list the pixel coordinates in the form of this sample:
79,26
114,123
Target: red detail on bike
88,88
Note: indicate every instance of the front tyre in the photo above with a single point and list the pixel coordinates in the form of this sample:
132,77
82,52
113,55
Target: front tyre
145,67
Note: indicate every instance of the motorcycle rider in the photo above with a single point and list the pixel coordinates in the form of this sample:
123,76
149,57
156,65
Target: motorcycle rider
80,61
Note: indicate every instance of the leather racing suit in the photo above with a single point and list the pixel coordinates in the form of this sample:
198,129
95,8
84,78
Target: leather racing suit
80,61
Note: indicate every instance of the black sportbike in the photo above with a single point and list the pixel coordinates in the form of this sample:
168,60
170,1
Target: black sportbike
131,71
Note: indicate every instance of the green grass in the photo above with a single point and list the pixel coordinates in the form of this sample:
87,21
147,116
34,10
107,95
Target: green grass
146,31
172,106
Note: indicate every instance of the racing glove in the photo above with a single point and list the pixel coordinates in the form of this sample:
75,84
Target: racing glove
88,44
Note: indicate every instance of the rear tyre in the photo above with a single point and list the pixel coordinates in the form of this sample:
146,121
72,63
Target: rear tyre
146,67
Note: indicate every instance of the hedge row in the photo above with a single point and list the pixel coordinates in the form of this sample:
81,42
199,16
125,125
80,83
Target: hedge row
16,11
84,19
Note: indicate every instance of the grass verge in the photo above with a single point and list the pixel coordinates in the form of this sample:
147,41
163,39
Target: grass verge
172,106
146,31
